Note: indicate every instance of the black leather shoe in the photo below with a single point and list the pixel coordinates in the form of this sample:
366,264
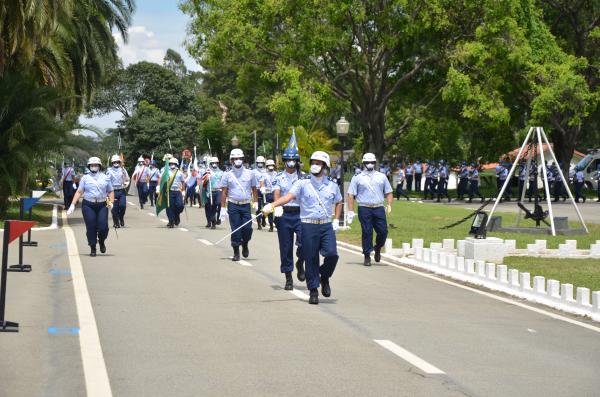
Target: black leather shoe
93,251
325,288
289,281
102,247
263,222
245,250
170,225
142,206
259,225
208,225
116,225
270,228
300,267
213,225
218,221
236,254
314,297
177,220
377,254
367,261
122,222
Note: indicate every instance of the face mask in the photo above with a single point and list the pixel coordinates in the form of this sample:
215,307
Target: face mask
173,167
140,164
116,165
215,166
370,166
94,168
270,168
238,163
259,165
315,169
291,164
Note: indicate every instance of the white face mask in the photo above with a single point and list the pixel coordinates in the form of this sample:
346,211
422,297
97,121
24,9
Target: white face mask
116,165
315,169
94,168
215,166
238,163
291,164
259,165
173,166
370,167
270,168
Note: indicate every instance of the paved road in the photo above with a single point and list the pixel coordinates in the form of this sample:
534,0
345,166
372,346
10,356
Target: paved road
176,317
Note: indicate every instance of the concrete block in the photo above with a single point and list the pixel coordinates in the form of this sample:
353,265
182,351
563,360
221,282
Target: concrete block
595,250
388,246
417,243
566,292
553,289
426,255
525,281
539,284
470,264
501,273
596,301
490,249
443,259
436,246
583,296
510,246
448,244
460,264
406,249
572,244
541,244
480,268
533,249
564,250
451,259
513,278
435,258
419,253
460,248
490,271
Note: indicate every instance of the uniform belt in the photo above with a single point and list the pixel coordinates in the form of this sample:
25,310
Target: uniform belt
118,188
315,221
291,209
371,205
176,190
94,201
243,202
215,190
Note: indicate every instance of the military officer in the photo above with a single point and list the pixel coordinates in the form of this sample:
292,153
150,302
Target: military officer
212,182
409,176
372,191
176,189
66,181
140,177
579,182
597,178
399,182
259,173
418,175
463,180
98,197
428,179
266,187
532,190
558,184
442,189
316,195
154,178
474,183
238,197
502,177
119,179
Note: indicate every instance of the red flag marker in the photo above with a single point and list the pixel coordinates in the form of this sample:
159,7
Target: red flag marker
17,228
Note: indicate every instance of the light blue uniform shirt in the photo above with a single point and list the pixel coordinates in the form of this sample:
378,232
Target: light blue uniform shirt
409,170
503,174
269,180
242,189
117,176
369,188
154,174
67,174
310,206
474,175
95,186
215,179
464,172
444,172
178,180
142,173
418,168
284,182
579,176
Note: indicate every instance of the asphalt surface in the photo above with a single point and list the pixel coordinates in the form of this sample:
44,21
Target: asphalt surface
176,317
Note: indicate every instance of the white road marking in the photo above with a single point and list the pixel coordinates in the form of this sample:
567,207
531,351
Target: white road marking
151,214
409,357
244,263
164,221
205,242
131,203
496,297
94,367
183,229
299,294
533,331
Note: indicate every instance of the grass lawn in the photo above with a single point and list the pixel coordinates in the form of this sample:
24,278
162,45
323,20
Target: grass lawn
42,213
424,220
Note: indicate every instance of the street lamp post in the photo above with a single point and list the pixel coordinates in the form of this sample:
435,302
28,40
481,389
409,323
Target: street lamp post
342,126
235,142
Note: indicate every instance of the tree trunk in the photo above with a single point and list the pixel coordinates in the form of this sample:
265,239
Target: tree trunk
372,124
564,140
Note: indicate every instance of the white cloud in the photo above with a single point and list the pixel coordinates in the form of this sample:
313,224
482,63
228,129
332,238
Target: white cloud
142,45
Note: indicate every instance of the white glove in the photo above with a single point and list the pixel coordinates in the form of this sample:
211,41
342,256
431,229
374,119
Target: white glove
255,205
267,209
278,212
263,190
388,209
157,189
126,184
183,195
74,186
350,216
335,224
71,210
109,205
223,215
197,189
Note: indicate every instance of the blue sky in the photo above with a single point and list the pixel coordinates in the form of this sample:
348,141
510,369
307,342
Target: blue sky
157,25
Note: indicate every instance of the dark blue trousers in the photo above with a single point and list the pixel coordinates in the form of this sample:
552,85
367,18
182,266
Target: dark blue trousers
318,239
372,219
270,199
409,180
119,206
462,187
418,178
288,225
175,207
238,215
213,210
152,192
474,190
427,188
579,191
95,216
68,193
142,188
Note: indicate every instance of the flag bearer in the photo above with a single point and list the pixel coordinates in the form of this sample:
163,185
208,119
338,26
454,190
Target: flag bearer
154,178
176,189
316,195
66,181
98,197
141,176
289,223
266,187
238,197
213,189
119,179
372,191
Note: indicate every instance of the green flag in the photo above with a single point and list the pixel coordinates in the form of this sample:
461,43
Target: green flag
162,201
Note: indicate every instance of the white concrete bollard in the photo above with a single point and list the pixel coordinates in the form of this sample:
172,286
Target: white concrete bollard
501,271
595,250
451,259
434,257
572,244
564,250
532,249
406,249
470,264
490,271
460,264
553,289
541,244
566,292
583,296
448,244
596,301
480,269
511,246
525,281
436,246
539,284
426,255
388,246
513,278
460,248
443,259
417,243
419,253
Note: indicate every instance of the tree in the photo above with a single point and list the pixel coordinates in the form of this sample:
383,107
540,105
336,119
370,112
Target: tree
174,63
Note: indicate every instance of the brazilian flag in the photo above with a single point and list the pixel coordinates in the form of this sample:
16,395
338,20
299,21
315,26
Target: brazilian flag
162,201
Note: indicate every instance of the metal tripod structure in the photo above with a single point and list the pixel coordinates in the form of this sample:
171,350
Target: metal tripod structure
537,132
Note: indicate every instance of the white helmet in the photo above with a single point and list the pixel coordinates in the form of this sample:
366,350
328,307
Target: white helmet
94,160
115,158
173,160
322,156
270,162
369,158
140,159
214,160
167,156
236,154
260,159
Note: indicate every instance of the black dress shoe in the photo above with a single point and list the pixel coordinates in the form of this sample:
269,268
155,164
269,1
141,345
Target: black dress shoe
170,225
300,267
213,225
367,261
263,222
314,297
208,225
218,221
377,254
141,206
116,225
93,251
122,222
102,247
325,288
270,228
245,250
177,220
259,225
289,281
236,254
